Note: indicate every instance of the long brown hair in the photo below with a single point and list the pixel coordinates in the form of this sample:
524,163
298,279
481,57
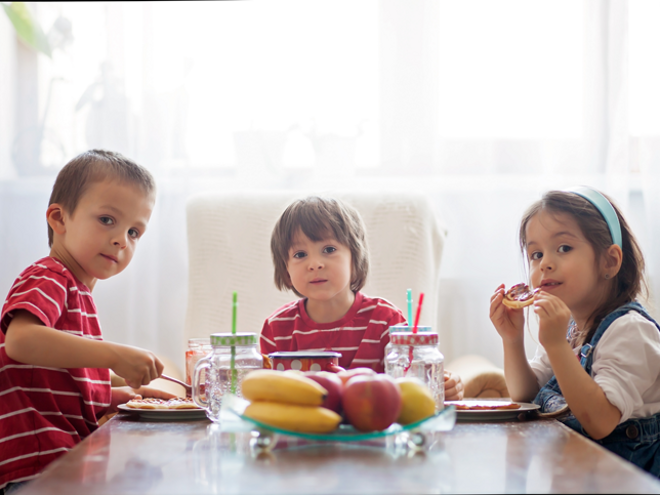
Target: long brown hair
319,218
629,283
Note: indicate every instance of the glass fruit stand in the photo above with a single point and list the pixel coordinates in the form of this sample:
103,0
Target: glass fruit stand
413,436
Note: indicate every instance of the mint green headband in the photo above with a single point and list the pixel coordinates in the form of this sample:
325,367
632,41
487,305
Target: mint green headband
604,207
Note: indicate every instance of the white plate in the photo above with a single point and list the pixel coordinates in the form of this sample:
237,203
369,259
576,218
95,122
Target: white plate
491,415
165,414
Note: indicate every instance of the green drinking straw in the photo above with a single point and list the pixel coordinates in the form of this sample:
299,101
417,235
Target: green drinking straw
234,305
409,300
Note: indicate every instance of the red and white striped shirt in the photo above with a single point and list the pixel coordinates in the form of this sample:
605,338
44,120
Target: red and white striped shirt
44,412
360,336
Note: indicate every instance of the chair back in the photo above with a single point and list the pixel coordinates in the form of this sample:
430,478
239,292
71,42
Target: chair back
229,250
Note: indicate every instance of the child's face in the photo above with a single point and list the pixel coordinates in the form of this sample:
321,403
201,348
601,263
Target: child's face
99,239
319,270
563,263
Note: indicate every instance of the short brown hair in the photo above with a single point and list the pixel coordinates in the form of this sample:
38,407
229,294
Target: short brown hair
319,218
629,283
94,166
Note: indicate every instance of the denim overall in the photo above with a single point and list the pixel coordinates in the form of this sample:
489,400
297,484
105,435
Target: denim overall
636,440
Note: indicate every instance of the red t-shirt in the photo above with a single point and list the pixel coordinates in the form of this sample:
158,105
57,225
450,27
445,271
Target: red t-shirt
44,412
360,336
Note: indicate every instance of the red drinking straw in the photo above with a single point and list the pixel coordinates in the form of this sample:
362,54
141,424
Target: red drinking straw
419,310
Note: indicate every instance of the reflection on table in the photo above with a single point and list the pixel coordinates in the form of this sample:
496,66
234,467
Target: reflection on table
129,456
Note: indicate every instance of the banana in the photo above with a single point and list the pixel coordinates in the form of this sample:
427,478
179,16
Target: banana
278,386
293,417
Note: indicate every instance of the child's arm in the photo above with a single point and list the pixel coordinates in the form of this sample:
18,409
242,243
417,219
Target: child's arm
28,341
510,324
583,395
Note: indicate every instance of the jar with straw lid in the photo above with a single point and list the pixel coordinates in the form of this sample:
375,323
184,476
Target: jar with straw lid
417,355
233,357
413,353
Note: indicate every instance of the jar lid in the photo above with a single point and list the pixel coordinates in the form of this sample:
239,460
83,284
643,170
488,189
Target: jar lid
406,328
409,338
304,354
231,339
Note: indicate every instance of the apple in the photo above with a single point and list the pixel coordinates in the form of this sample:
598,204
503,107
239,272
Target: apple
371,402
334,386
348,374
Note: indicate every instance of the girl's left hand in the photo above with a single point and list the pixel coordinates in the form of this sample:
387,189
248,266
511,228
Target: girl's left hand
554,316
121,395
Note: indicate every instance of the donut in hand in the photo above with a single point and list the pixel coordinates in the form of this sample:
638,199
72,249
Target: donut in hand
519,296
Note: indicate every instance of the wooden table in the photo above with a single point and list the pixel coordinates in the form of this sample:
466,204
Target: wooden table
135,457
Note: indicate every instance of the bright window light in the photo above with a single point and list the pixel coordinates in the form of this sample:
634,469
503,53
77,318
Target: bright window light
511,69
644,40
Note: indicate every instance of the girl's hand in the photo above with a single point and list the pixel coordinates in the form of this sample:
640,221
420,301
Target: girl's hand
554,316
453,386
509,322
121,395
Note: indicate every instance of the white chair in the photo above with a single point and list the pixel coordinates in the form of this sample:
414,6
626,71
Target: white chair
229,250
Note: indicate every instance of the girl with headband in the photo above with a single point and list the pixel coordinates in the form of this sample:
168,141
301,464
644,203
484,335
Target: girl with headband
597,366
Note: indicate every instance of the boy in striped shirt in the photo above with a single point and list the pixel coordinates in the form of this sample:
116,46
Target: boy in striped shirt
54,364
320,252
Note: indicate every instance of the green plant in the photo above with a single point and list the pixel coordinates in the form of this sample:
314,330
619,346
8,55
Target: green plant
27,28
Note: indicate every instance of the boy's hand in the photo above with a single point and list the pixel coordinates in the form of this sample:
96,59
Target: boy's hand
509,322
121,395
136,366
453,386
554,316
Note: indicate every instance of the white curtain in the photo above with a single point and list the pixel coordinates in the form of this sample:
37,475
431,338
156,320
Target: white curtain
480,105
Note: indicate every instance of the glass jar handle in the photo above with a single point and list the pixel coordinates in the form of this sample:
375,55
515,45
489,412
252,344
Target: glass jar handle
196,393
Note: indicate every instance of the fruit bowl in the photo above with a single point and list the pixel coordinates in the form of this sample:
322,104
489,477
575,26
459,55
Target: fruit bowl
414,432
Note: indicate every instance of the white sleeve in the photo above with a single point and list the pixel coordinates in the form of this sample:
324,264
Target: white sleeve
540,365
627,362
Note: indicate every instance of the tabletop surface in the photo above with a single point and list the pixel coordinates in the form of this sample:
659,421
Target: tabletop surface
128,456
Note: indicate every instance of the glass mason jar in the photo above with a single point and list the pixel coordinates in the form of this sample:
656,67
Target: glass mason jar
233,356
417,355
197,349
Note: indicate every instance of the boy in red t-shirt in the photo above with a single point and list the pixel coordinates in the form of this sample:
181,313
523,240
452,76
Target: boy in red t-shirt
54,365
320,252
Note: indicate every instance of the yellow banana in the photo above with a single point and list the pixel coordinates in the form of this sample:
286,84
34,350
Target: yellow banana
292,417
277,386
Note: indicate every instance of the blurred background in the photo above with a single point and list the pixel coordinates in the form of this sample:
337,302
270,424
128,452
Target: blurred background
481,105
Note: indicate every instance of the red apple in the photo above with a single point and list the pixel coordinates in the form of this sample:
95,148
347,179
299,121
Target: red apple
334,386
348,374
372,402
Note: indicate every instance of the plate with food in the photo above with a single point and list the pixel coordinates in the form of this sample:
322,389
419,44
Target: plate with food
176,409
490,410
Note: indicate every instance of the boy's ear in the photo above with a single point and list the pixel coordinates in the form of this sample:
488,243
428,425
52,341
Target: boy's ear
612,260
55,218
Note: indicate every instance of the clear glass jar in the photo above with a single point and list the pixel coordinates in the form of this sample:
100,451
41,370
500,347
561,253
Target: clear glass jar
417,355
233,356
197,349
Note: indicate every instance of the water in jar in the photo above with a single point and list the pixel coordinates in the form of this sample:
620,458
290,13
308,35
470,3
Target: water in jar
426,365
218,383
